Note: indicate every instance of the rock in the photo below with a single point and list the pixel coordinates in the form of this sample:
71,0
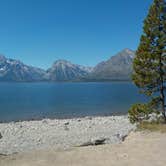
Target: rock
121,137
153,117
117,135
45,121
66,124
88,118
0,135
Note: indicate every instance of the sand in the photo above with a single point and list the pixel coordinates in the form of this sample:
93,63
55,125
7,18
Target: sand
139,149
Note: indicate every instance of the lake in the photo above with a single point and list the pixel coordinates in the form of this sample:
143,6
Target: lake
26,101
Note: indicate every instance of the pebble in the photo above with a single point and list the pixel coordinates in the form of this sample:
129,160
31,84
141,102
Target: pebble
62,134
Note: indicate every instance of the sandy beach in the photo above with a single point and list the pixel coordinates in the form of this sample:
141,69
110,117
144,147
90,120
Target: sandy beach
139,149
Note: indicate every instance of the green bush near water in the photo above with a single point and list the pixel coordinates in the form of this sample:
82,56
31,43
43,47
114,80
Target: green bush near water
139,112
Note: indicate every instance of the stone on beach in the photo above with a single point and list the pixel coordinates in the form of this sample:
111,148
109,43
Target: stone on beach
62,133
0,135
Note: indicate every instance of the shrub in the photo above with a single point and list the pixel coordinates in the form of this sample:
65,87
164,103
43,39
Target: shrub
139,112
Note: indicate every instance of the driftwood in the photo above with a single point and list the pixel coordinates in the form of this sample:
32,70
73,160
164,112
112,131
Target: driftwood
1,154
94,142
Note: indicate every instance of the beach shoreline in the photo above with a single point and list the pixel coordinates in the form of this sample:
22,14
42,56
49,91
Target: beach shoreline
18,137
64,117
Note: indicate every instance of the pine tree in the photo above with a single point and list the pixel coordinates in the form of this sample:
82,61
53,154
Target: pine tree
150,61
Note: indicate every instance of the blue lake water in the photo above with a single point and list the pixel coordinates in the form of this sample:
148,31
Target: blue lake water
25,101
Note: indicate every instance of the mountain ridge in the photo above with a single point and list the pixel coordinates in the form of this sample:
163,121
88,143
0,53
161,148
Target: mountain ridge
117,67
63,70
15,70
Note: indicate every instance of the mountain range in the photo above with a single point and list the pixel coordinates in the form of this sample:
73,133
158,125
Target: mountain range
14,70
118,67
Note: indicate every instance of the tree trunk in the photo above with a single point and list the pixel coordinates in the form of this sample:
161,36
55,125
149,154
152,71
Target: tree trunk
162,88
163,102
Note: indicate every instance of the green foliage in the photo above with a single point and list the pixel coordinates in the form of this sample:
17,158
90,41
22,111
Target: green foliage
155,103
139,112
150,62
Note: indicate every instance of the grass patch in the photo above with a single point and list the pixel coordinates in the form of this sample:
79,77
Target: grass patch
152,126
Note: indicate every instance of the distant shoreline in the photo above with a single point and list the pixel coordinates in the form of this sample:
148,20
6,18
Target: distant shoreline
93,81
65,118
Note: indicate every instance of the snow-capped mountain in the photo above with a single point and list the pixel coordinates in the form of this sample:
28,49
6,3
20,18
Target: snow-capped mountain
14,70
118,67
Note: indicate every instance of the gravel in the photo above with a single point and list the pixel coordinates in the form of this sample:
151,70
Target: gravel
62,134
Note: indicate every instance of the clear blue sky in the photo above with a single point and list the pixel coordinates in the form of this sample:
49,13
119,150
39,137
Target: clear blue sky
86,32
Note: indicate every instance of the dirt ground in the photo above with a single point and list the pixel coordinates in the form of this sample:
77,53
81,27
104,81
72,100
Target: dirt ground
139,149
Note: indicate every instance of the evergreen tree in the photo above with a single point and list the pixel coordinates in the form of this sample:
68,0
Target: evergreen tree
150,61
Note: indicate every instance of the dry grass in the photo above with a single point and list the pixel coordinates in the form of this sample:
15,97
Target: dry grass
153,127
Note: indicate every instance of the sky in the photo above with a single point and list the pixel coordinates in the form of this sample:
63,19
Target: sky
85,32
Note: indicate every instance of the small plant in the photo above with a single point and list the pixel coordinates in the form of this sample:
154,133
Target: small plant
139,112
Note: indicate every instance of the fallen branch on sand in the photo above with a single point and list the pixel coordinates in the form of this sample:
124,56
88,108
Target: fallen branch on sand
94,142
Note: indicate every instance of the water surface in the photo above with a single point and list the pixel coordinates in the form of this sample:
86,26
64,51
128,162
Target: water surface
25,101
